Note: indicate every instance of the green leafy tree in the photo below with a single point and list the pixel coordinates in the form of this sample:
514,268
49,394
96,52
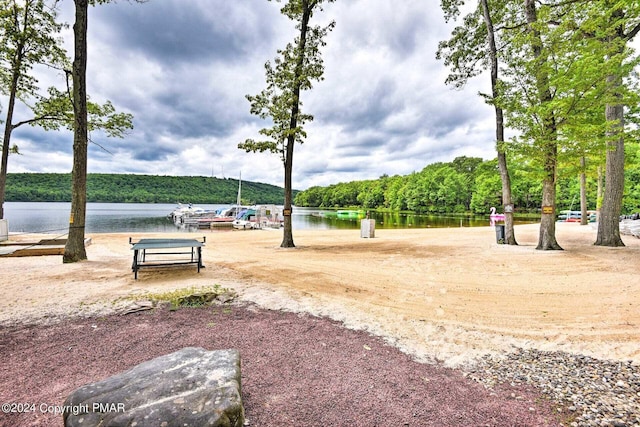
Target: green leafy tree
564,87
615,24
394,193
579,64
472,48
542,96
487,193
74,249
296,67
28,37
29,34
545,131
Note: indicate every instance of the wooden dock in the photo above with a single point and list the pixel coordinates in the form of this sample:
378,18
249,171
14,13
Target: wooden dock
41,248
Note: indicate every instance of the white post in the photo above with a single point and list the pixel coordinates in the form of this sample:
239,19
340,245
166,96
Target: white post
4,230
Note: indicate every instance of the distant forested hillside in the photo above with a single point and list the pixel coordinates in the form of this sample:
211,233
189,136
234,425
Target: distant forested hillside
470,184
115,188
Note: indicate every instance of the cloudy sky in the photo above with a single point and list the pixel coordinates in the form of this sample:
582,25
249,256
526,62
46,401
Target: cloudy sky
183,68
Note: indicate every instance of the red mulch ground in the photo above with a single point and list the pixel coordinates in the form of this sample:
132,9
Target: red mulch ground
297,370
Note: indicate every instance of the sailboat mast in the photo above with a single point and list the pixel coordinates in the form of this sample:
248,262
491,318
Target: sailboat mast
238,201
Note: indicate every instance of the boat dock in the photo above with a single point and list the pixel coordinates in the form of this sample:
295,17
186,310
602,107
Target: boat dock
42,247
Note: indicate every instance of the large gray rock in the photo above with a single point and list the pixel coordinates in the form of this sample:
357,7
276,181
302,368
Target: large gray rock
191,387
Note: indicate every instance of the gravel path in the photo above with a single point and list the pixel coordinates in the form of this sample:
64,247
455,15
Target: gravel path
599,393
297,370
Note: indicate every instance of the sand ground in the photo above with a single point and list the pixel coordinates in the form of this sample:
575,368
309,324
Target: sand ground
438,294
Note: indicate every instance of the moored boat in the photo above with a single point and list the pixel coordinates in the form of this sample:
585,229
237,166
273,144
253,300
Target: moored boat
181,212
224,218
260,217
350,214
245,220
575,216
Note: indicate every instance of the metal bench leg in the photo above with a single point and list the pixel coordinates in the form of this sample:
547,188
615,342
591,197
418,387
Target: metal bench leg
135,264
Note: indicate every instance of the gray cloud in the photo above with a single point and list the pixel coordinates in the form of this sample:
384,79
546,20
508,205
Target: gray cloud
59,141
183,70
201,31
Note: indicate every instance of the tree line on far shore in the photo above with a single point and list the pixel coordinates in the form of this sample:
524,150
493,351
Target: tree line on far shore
469,184
130,188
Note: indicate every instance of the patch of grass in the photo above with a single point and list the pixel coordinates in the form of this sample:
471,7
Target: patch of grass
187,297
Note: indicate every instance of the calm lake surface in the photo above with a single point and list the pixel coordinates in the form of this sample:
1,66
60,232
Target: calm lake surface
53,217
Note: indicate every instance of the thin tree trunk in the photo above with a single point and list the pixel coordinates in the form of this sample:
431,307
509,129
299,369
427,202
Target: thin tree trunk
8,124
584,220
74,249
287,239
7,140
599,193
547,237
510,238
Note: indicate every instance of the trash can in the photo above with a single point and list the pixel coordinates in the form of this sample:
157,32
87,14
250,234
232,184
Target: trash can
500,234
4,230
368,228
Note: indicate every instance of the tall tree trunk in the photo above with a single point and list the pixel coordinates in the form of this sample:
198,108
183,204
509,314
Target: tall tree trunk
609,218
599,193
8,124
547,237
287,239
74,249
510,237
584,219
7,139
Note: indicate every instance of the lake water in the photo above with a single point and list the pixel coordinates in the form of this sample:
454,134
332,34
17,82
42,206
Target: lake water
53,217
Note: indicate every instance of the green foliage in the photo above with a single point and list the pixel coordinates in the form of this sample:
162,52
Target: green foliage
465,52
631,200
488,188
294,70
56,111
128,188
438,188
576,57
469,184
29,35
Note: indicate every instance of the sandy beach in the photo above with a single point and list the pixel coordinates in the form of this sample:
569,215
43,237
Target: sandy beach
449,295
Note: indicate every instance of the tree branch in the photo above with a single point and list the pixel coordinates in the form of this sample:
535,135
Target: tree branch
633,32
511,27
95,143
36,119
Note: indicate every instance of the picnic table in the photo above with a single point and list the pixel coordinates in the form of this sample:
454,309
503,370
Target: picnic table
165,253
